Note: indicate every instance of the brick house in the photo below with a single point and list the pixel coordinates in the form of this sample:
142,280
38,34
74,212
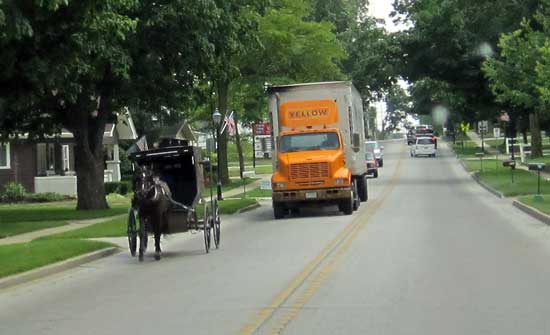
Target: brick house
48,166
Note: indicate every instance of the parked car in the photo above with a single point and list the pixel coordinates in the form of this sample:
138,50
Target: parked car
424,146
377,150
372,164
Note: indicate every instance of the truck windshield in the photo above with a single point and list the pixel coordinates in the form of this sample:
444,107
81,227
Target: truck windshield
309,141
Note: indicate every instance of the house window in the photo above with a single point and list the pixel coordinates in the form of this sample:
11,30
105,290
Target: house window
66,166
5,156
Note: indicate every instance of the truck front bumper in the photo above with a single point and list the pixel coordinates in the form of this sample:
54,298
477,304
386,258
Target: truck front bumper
327,195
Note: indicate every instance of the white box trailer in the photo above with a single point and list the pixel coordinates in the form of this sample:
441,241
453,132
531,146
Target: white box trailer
350,109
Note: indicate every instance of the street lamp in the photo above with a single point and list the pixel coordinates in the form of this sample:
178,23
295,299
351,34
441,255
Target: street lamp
217,119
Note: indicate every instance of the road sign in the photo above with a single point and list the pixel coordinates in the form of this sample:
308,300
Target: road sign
483,126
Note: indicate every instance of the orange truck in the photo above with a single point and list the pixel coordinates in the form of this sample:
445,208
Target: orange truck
318,151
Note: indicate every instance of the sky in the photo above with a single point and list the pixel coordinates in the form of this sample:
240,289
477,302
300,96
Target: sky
381,9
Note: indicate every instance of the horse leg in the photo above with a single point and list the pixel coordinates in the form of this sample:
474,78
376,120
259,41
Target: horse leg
157,240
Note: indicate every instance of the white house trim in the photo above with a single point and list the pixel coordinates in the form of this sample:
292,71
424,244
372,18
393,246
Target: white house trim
8,154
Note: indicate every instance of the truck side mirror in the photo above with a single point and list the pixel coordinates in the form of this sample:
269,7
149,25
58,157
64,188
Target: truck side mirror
356,142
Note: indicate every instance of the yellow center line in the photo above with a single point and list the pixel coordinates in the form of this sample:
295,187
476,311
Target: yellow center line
342,241
315,284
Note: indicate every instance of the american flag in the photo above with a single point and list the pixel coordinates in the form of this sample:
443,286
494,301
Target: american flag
229,123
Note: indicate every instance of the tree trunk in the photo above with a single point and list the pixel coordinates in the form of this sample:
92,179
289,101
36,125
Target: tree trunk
536,140
88,129
239,147
223,92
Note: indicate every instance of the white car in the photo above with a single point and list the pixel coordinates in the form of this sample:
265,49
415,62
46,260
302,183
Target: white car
423,146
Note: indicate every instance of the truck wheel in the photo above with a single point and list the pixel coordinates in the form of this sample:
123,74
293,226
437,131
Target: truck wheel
346,206
362,188
279,211
381,163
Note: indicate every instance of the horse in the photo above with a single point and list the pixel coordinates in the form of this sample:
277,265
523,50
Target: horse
152,198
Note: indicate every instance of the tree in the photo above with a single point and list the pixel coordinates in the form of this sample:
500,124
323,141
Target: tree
374,59
76,63
515,75
449,40
398,107
68,59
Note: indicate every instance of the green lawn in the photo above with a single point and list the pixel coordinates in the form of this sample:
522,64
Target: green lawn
234,184
23,218
498,177
32,213
117,227
15,228
467,151
256,193
22,257
267,169
543,206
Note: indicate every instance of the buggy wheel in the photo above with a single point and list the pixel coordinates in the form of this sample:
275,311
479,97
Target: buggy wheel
216,224
142,239
132,232
206,226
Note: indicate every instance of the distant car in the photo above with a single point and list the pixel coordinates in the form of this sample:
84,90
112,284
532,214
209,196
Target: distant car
424,146
377,150
372,164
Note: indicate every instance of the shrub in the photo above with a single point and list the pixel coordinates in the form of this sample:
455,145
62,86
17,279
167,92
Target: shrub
46,197
13,192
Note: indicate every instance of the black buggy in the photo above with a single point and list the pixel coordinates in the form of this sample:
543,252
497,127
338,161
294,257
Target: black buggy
182,170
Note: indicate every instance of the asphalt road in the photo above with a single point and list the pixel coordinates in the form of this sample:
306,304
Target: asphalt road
431,252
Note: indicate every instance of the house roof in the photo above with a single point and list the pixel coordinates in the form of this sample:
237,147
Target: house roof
181,131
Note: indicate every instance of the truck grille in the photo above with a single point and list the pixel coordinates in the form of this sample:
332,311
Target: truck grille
308,170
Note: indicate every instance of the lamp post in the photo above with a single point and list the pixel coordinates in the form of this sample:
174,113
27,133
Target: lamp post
217,119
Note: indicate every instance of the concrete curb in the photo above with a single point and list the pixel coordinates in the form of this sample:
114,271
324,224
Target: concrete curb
487,187
532,212
48,270
482,184
248,208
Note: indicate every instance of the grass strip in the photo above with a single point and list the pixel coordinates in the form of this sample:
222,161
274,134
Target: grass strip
32,213
543,206
8,229
256,193
16,258
118,227
500,178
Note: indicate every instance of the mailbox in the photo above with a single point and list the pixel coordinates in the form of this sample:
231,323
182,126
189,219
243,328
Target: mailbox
536,166
509,163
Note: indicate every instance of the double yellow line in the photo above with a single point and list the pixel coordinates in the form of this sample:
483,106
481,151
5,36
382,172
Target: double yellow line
337,248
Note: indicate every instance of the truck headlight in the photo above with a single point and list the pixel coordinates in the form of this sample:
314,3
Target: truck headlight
339,181
279,186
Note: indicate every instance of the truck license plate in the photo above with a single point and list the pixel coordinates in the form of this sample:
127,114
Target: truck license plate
311,195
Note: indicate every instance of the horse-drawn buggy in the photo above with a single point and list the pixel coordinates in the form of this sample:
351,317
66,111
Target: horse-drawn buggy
168,197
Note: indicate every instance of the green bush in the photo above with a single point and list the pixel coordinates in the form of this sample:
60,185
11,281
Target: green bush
14,192
46,197
117,187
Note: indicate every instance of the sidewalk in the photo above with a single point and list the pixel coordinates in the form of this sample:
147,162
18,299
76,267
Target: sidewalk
477,140
72,225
